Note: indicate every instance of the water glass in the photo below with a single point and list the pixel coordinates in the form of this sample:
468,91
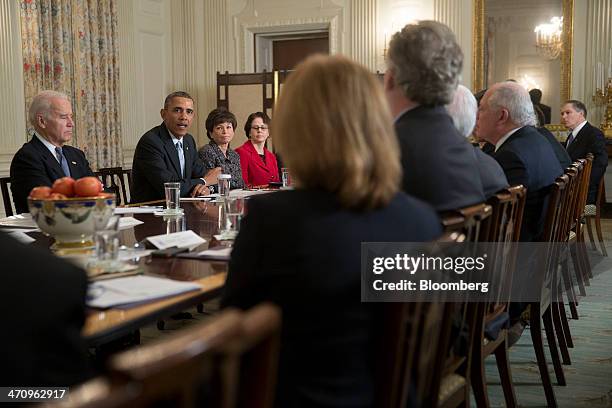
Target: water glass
285,177
224,184
107,241
175,223
233,210
173,197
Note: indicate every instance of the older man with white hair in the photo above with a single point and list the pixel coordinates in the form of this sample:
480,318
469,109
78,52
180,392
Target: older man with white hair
506,119
46,157
463,109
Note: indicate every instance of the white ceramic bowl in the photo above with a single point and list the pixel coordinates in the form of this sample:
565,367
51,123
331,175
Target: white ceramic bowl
72,221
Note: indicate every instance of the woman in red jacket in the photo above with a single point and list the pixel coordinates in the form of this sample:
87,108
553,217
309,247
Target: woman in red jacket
258,164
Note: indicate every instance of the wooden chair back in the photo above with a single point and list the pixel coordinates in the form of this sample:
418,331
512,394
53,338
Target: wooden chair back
6,196
251,360
558,212
171,370
584,185
411,348
507,216
474,222
100,393
118,181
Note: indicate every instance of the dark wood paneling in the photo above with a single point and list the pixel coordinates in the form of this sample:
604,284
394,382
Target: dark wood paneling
288,53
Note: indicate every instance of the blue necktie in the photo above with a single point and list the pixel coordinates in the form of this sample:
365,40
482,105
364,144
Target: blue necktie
181,154
62,161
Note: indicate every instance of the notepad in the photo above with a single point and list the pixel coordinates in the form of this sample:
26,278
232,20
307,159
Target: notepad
183,239
134,290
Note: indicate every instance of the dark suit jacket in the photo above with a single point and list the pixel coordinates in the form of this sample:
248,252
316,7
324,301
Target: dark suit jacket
491,173
564,159
42,299
156,162
528,159
591,140
302,251
34,165
438,163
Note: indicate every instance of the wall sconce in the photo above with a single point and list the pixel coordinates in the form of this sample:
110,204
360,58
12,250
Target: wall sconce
548,38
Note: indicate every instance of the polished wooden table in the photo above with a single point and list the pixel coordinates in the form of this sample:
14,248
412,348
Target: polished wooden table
202,217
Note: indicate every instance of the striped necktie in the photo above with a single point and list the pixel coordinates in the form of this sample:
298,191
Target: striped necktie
59,153
181,155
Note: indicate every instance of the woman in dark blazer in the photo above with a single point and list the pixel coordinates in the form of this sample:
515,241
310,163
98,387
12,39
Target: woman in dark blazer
220,125
258,164
301,249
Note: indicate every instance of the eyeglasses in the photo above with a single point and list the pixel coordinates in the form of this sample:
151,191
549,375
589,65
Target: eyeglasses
256,128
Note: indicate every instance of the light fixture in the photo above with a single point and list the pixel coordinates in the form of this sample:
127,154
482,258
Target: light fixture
548,38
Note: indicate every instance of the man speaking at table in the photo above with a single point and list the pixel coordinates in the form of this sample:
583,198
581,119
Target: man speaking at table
46,157
167,153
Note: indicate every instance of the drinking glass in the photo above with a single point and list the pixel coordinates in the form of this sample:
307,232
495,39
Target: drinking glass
175,223
224,184
107,242
233,210
173,197
285,177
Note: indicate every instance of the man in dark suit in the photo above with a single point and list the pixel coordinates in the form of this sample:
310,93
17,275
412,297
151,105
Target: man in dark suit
536,97
585,138
46,157
439,165
43,302
463,110
168,153
506,119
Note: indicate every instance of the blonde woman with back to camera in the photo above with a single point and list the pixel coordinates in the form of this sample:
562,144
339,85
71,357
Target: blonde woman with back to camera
301,248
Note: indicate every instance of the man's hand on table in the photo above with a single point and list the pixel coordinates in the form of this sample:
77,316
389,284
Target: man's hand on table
200,190
212,177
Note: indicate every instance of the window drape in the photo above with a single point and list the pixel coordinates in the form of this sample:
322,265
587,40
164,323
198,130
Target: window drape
71,46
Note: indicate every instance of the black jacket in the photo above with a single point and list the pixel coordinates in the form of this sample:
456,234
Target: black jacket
439,165
34,165
528,159
156,162
302,251
591,140
42,299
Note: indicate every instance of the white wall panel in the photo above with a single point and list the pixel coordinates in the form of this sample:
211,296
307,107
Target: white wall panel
12,114
146,66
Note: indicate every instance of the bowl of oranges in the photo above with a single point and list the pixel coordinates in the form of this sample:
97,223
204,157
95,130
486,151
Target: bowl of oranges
71,210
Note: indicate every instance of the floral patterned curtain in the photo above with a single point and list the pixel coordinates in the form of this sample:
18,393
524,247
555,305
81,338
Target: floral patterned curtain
71,46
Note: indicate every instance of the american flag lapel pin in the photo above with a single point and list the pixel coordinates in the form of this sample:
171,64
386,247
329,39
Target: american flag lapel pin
74,163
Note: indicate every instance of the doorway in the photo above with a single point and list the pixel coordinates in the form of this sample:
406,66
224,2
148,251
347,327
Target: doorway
283,51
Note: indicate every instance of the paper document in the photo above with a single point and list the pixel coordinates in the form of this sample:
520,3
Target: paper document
202,198
22,237
183,239
18,221
247,193
128,222
221,253
136,210
134,290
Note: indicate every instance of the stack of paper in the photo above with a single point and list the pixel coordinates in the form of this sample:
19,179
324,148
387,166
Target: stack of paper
133,290
18,221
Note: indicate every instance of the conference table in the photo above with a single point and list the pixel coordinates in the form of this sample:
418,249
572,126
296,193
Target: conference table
202,217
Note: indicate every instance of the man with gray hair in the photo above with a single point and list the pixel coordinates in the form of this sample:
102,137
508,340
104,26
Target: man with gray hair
506,119
463,110
439,166
46,157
